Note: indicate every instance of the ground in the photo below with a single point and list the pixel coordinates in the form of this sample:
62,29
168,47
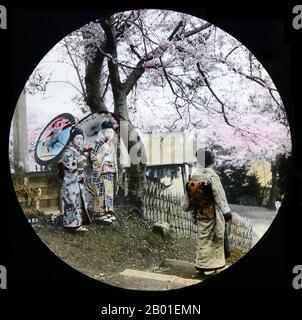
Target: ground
106,250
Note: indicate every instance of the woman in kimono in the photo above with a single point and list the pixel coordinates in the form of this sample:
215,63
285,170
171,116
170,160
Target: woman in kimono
103,174
206,197
73,189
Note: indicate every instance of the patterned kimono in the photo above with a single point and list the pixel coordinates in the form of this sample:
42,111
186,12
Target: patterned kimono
73,190
103,173
211,227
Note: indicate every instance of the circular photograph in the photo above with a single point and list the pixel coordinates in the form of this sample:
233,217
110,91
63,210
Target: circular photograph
149,150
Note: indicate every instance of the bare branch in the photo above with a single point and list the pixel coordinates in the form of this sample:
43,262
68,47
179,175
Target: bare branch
215,96
136,74
135,52
76,70
144,39
52,61
106,87
125,24
180,24
177,107
168,80
184,95
283,117
256,79
235,48
201,28
278,104
114,60
68,82
140,28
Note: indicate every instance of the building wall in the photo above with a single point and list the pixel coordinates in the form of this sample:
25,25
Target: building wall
262,169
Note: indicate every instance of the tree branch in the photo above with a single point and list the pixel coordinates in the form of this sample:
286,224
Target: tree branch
140,28
106,87
256,79
135,52
180,24
68,82
124,24
169,82
139,71
278,104
201,28
215,96
106,24
76,70
235,48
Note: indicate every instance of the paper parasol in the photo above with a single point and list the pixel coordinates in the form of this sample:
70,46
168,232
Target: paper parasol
54,139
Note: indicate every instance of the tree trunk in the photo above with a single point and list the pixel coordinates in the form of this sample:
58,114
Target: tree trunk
137,185
137,170
120,92
94,83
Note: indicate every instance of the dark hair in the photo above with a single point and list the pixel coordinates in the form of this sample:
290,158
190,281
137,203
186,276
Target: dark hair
74,132
205,156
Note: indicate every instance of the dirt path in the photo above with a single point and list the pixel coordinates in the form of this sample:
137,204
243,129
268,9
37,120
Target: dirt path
106,250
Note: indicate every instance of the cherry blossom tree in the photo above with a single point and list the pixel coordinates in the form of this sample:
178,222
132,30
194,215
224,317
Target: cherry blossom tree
127,60
168,71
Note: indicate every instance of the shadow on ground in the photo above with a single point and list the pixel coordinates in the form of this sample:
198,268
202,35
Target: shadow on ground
128,243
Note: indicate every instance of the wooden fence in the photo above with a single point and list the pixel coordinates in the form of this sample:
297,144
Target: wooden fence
161,205
48,182
240,232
